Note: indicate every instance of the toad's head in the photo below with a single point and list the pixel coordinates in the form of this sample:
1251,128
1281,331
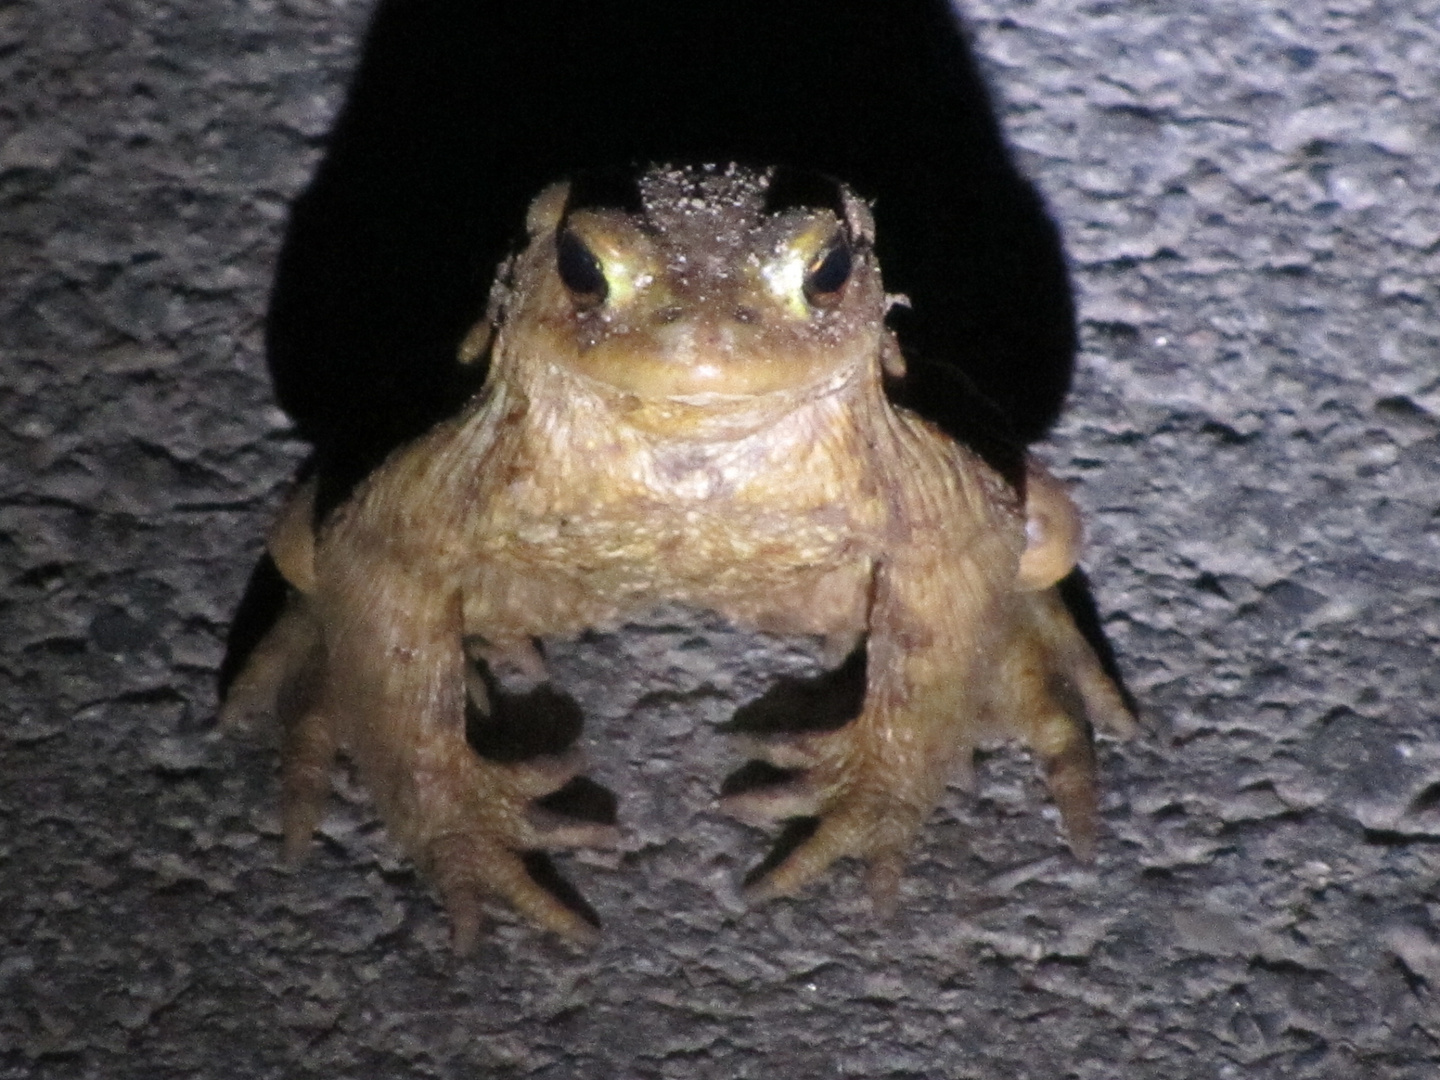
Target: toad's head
702,286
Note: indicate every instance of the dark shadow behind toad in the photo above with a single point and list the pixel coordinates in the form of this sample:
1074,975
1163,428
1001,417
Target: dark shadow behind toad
462,110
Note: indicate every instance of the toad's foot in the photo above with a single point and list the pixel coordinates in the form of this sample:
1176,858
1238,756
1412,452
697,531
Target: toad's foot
1052,693
480,810
483,830
477,828
819,768
863,789
835,799
477,808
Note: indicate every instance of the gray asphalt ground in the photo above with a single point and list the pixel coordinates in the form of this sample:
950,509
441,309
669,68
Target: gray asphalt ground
1250,196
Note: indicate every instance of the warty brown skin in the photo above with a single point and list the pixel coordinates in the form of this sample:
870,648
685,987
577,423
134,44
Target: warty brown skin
707,426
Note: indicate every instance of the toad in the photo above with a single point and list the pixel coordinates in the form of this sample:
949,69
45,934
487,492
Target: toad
686,403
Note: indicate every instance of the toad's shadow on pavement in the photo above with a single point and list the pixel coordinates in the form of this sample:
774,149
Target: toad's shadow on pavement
462,110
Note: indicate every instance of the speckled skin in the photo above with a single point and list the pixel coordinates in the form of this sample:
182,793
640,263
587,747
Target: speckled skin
685,403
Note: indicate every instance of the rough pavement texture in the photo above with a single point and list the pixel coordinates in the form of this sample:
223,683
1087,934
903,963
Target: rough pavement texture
1249,198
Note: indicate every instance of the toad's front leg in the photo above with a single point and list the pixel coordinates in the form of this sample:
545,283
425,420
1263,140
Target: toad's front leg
405,695
864,789
962,649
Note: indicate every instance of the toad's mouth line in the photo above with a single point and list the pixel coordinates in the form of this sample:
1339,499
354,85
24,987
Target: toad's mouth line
833,383
709,417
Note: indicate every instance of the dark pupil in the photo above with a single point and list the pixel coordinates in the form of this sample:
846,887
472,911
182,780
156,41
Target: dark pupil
832,272
579,269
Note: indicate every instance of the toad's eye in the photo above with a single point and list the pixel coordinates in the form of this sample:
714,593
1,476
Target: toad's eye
580,271
827,275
